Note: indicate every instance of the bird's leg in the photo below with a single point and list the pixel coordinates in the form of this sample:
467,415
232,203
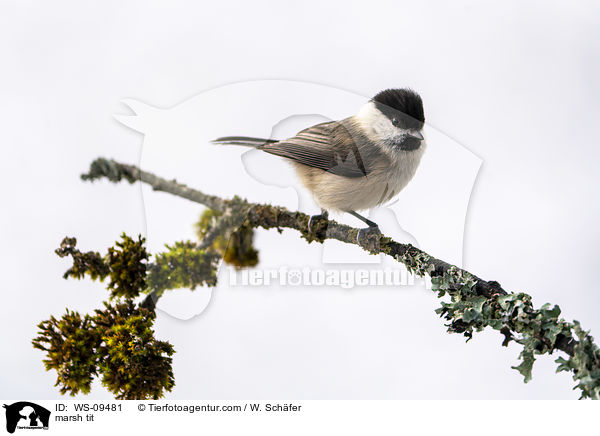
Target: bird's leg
367,238
317,225
368,222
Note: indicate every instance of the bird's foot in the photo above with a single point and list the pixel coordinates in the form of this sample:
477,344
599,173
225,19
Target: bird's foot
317,226
368,238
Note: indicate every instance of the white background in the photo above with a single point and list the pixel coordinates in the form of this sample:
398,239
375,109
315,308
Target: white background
516,82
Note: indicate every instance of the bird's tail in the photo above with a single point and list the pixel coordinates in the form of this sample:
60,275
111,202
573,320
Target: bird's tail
243,140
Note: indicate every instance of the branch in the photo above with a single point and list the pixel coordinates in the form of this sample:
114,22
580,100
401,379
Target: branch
476,303
267,216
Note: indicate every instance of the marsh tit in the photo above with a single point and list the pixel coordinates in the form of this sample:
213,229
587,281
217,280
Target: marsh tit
358,162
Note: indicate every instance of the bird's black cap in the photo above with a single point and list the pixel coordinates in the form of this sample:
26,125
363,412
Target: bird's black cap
403,104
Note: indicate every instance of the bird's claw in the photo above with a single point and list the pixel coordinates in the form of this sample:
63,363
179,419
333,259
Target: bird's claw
368,238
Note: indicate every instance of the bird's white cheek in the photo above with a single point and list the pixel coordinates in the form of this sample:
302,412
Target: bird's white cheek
387,131
376,125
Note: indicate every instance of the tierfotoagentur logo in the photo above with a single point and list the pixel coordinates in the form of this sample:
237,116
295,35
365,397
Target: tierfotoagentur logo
24,415
345,278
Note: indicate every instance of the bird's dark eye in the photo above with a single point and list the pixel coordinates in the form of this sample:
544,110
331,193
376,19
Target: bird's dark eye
395,122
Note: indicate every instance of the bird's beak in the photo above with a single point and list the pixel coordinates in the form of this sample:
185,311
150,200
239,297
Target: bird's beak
417,135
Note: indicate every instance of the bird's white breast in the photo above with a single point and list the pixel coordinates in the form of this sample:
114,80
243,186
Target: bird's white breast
339,193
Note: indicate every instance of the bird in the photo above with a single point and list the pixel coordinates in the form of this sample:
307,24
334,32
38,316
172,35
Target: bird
358,162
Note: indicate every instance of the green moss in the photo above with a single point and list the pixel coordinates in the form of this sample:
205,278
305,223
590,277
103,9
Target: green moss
127,264
183,265
237,249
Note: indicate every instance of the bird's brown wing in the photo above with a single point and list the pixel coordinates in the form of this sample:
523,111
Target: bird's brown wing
329,146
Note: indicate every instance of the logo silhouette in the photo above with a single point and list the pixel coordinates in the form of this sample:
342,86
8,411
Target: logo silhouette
26,415
177,144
